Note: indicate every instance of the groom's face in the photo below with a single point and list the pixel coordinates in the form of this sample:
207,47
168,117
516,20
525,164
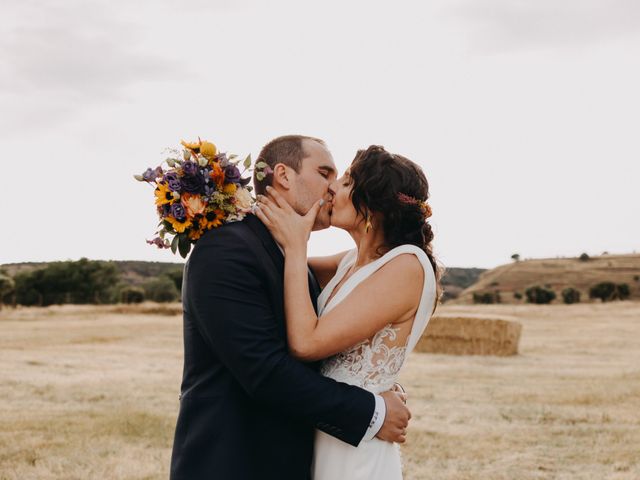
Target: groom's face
312,183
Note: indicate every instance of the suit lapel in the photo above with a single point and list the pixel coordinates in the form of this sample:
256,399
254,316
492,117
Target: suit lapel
277,257
267,241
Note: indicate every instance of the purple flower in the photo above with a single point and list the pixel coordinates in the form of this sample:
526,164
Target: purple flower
193,184
175,185
210,188
232,174
150,174
172,175
178,212
222,159
158,242
189,168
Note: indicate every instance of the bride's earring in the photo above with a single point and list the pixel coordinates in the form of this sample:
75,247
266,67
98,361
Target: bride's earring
367,225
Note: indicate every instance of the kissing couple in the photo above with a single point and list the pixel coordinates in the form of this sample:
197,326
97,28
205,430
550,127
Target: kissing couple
291,363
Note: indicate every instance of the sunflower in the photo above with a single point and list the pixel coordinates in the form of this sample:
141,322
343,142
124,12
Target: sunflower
163,194
217,173
213,219
177,225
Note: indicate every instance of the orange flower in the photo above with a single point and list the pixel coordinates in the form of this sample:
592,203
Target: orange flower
217,173
193,204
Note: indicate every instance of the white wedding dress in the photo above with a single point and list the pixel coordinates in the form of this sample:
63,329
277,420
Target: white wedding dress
374,365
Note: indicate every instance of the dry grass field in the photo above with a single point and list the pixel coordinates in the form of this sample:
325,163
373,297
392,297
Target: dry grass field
92,393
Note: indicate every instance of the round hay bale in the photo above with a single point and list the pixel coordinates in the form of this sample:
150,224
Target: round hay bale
470,336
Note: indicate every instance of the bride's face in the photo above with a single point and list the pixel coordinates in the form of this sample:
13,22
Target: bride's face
343,213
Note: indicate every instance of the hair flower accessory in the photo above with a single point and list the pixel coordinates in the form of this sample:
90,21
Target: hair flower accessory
424,206
200,189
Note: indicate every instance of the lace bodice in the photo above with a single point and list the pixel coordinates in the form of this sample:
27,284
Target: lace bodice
374,364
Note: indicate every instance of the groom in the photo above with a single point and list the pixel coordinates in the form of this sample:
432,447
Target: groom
248,409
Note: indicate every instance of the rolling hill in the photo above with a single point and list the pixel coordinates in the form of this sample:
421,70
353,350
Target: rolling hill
557,274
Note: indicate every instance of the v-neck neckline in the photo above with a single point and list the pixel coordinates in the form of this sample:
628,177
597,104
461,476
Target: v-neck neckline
333,293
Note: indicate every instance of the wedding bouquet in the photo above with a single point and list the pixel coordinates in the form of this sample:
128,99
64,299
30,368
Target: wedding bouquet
201,189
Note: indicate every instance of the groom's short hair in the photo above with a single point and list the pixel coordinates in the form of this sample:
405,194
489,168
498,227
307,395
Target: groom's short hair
288,150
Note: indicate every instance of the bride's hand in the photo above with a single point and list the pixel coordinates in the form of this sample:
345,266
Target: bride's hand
290,229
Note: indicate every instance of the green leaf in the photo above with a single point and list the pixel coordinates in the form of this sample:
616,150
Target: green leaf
260,176
261,165
184,245
174,244
247,161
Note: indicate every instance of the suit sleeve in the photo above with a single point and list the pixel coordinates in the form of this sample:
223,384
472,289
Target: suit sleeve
228,296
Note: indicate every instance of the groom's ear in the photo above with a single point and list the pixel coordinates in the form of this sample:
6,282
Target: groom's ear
282,176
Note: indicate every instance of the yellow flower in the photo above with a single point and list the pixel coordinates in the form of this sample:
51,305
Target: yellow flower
177,225
208,150
163,194
193,204
230,188
214,219
195,146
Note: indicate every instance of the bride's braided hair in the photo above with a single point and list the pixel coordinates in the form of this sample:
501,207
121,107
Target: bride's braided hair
397,188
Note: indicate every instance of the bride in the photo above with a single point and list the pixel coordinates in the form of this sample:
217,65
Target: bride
376,300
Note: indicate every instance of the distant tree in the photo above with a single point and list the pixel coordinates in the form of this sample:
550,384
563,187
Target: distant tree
487,297
570,295
623,291
161,289
176,277
517,295
132,295
515,257
605,291
539,295
7,285
84,281
584,257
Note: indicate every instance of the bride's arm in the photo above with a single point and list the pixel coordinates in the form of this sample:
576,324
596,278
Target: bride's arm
324,268
388,295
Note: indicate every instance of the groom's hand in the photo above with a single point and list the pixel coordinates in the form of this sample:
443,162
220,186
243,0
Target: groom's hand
396,420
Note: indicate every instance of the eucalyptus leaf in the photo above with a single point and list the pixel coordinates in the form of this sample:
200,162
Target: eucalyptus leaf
260,176
261,165
174,244
184,245
247,161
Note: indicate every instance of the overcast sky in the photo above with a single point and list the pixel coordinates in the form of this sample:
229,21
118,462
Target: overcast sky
524,114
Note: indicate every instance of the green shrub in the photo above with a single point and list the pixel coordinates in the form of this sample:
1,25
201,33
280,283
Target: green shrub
609,291
623,291
539,295
132,295
570,295
161,289
7,285
487,297
517,295
584,257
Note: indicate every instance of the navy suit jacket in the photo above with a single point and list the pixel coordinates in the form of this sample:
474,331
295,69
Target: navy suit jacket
248,409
